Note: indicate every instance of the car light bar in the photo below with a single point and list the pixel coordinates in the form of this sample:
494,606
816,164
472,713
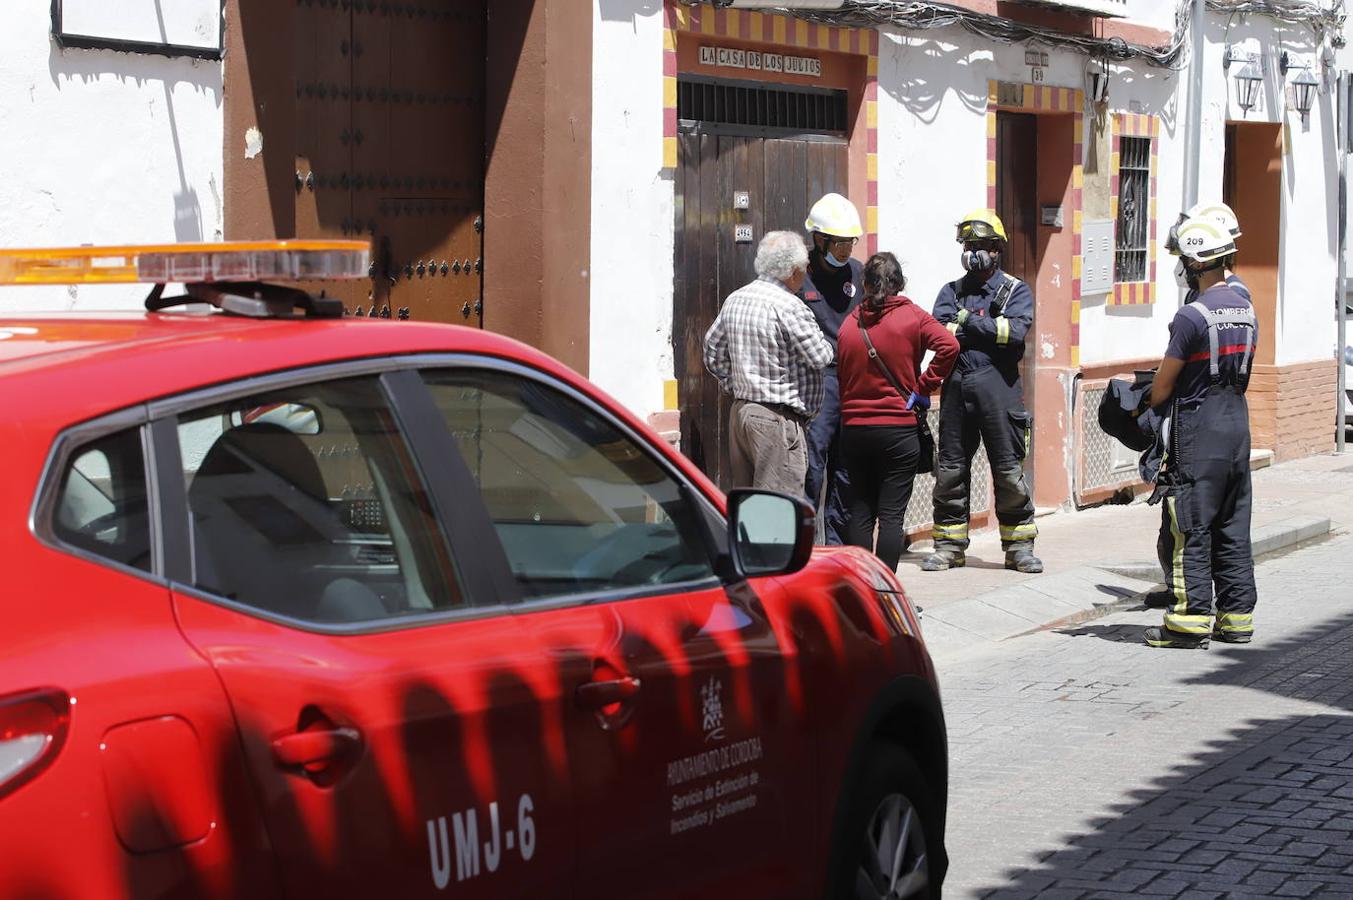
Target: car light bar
188,263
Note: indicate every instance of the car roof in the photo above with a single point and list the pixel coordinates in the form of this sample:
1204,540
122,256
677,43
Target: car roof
57,371
73,367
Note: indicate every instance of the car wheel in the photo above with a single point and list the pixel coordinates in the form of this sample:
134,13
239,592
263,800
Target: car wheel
892,834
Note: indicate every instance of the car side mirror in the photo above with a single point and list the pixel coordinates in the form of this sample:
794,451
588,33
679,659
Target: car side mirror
769,533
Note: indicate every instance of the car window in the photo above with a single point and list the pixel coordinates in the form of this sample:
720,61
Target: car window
102,506
305,502
578,506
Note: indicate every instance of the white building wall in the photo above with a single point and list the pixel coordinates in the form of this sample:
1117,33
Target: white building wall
102,147
932,169
1308,245
632,214
1115,333
932,150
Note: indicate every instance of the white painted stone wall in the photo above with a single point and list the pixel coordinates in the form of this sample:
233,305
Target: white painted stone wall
932,150
100,146
1111,333
1308,247
632,212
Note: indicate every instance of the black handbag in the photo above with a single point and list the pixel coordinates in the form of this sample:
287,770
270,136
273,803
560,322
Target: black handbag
925,460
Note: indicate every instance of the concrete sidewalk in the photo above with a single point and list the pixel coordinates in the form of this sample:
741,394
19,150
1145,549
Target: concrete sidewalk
1099,559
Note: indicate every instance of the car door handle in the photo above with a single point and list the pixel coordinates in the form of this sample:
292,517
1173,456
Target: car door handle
596,694
319,747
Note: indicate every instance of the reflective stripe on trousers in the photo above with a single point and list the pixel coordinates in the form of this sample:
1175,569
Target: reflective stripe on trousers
977,407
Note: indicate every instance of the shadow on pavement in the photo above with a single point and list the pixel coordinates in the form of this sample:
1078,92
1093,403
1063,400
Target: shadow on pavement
1311,665
1119,634
1266,810
1118,593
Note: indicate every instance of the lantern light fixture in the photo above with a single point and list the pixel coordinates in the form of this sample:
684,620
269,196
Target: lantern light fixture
1248,80
1304,87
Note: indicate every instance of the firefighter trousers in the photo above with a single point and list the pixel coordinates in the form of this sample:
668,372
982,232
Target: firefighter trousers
1204,543
988,406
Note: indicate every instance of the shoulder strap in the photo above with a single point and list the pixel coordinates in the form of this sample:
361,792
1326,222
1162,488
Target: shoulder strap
874,355
1214,319
1003,293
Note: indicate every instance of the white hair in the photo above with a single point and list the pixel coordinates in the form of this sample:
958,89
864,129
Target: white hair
780,254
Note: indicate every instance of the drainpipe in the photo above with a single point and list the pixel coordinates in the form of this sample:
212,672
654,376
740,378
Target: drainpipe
1340,301
1194,131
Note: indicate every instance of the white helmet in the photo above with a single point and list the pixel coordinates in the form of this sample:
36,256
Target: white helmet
834,215
1202,239
1220,213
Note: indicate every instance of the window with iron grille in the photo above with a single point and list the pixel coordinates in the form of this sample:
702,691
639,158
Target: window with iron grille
765,106
1134,204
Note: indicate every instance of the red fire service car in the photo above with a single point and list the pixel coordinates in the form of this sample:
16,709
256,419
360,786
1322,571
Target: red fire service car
304,606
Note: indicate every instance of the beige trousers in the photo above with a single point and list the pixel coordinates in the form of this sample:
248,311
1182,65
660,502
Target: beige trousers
768,449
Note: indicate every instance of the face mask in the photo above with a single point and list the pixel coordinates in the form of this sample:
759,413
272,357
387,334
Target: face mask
1185,277
980,260
832,261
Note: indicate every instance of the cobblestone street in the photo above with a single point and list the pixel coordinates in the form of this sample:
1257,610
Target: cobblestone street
1085,764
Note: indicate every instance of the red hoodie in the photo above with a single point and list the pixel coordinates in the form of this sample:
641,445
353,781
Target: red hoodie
902,332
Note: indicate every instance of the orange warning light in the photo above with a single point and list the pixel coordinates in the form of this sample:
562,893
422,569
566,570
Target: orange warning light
187,263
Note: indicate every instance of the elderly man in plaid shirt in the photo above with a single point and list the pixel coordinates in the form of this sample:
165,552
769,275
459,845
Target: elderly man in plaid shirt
767,350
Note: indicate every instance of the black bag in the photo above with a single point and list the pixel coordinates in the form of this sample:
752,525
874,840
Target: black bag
925,459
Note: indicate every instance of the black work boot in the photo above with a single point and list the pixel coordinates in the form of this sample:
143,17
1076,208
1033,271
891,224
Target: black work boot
942,560
1022,559
1175,640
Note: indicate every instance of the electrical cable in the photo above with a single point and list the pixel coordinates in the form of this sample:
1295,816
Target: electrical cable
924,15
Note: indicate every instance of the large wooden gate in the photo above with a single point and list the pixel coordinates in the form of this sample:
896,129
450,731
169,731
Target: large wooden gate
378,112
782,178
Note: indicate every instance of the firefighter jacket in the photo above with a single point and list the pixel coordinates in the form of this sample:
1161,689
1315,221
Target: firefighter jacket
1000,313
1125,415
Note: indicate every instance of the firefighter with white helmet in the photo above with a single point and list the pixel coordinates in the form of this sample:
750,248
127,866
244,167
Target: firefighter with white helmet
989,311
1204,542
1224,217
832,290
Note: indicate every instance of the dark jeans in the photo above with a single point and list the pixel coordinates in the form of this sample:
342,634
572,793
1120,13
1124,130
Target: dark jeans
824,462
881,460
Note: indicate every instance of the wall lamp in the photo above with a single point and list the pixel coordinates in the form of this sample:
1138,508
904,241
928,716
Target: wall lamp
1248,80
1304,87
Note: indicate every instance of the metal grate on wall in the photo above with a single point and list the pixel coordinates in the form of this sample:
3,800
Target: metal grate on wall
921,509
756,105
1102,465
1134,182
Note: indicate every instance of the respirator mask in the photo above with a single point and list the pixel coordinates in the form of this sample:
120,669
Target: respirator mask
981,260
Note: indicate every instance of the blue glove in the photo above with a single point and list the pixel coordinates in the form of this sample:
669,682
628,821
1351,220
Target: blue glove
918,400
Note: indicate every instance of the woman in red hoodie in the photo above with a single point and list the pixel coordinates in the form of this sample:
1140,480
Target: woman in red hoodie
879,440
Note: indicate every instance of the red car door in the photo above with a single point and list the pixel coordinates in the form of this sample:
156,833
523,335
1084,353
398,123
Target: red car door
690,772
689,769
120,770
396,729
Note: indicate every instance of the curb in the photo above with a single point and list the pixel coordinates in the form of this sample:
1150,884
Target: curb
1077,594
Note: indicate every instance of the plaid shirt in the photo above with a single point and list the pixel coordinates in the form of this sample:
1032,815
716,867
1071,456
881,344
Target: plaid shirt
766,347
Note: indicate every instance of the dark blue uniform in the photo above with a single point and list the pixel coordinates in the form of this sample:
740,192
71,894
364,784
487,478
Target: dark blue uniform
831,294
1205,528
983,398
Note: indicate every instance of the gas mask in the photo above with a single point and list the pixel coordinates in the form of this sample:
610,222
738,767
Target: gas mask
981,260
